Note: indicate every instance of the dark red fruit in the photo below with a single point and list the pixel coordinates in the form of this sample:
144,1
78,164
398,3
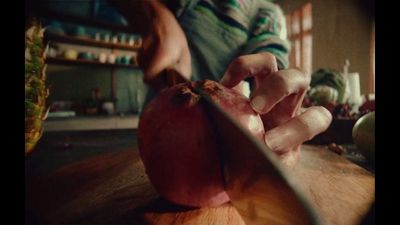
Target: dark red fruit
178,145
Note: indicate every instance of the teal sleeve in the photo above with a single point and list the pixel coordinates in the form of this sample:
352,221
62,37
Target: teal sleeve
268,33
178,7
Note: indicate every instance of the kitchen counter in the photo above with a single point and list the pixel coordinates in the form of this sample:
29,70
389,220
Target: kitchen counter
112,188
60,148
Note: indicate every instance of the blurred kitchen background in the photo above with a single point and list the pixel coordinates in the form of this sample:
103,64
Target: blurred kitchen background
97,91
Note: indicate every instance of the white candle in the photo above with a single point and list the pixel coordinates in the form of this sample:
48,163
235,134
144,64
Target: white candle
354,84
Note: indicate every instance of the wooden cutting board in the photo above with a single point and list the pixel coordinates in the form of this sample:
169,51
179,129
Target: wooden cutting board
114,189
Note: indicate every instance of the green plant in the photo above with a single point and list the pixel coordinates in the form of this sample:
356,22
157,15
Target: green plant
36,91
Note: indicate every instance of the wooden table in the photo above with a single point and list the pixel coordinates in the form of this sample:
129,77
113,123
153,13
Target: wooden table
114,189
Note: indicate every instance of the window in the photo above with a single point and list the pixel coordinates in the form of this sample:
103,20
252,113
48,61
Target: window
299,27
372,63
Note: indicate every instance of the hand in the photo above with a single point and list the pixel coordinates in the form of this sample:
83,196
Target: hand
164,47
278,97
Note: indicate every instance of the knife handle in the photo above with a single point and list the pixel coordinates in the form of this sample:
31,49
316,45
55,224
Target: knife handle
172,77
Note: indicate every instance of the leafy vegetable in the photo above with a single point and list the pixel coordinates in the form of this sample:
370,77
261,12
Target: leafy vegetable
331,78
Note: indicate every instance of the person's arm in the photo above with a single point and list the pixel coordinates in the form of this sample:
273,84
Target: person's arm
164,42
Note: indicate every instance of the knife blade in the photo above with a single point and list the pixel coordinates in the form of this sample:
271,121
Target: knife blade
259,187
172,77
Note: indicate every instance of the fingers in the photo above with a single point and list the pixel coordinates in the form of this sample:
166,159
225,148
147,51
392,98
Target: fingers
258,65
272,86
311,122
276,87
283,111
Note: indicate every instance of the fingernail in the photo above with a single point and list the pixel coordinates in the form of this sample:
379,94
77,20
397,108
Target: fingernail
258,103
276,143
272,140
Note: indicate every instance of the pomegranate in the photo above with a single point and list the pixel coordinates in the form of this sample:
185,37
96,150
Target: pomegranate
178,145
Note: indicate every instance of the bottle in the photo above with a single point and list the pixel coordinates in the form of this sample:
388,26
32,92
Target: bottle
97,36
123,38
107,37
103,57
131,41
115,39
112,58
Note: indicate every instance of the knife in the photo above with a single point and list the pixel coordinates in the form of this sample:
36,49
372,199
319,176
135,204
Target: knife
259,187
171,77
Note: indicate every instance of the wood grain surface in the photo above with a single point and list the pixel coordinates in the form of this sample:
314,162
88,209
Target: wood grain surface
114,189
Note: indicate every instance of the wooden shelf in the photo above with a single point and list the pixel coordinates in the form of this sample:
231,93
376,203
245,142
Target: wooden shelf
82,62
88,42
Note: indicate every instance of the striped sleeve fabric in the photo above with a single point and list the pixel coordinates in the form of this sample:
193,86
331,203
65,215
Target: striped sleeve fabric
260,24
268,33
178,7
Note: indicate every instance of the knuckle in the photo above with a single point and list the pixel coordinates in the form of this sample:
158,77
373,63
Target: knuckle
283,82
268,56
296,78
240,62
241,65
270,59
305,77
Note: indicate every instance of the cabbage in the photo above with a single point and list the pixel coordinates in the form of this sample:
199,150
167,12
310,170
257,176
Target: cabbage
330,78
